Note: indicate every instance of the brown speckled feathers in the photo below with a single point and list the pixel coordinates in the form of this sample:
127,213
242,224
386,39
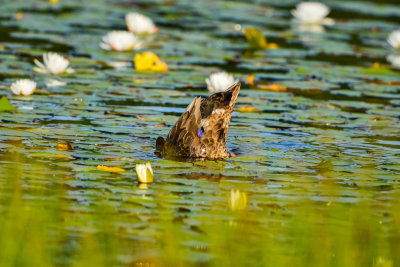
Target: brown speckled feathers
202,130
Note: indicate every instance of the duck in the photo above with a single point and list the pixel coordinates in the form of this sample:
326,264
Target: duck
202,130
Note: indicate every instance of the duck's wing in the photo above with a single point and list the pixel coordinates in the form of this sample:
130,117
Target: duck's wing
183,135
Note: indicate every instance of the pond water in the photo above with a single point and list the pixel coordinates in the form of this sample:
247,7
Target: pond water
317,158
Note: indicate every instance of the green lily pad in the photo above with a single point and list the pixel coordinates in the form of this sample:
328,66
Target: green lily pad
5,105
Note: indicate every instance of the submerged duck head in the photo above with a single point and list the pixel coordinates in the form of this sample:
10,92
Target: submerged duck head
202,130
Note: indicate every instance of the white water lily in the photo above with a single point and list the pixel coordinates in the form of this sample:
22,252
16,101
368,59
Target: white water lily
220,81
144,173
394,39
237,200
53,63
23,87
120,41
140,24
312,13
394,60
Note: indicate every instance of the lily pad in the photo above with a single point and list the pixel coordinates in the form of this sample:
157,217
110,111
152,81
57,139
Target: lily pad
5,105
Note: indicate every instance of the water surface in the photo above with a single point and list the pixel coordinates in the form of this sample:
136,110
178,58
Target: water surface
319,161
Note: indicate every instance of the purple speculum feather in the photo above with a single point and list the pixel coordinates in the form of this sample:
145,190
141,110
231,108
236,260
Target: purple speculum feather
200,132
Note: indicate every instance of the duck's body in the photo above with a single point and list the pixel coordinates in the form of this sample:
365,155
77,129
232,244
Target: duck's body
201,131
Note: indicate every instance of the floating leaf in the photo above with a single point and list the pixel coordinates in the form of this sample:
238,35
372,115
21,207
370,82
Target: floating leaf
64,146
148,61
272,46
5,105
250,79
19,15
109,169
248,109
273,87
255,38
377,65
